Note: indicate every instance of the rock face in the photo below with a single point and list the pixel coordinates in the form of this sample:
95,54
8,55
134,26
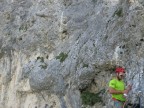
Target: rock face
52,51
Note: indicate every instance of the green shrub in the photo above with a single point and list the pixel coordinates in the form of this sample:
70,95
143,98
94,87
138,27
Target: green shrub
119,12
40,58
62,56
23,27
85,65
90,98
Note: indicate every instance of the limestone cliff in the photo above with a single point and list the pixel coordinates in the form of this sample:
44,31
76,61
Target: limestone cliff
56,53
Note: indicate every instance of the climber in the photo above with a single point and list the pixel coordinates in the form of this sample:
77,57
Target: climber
117,88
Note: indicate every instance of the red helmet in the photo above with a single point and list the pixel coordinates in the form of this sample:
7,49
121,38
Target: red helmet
120,69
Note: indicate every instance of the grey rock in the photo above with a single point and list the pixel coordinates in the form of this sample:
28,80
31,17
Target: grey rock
95,35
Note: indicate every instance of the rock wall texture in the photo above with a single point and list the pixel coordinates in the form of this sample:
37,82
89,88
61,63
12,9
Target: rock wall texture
54,51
